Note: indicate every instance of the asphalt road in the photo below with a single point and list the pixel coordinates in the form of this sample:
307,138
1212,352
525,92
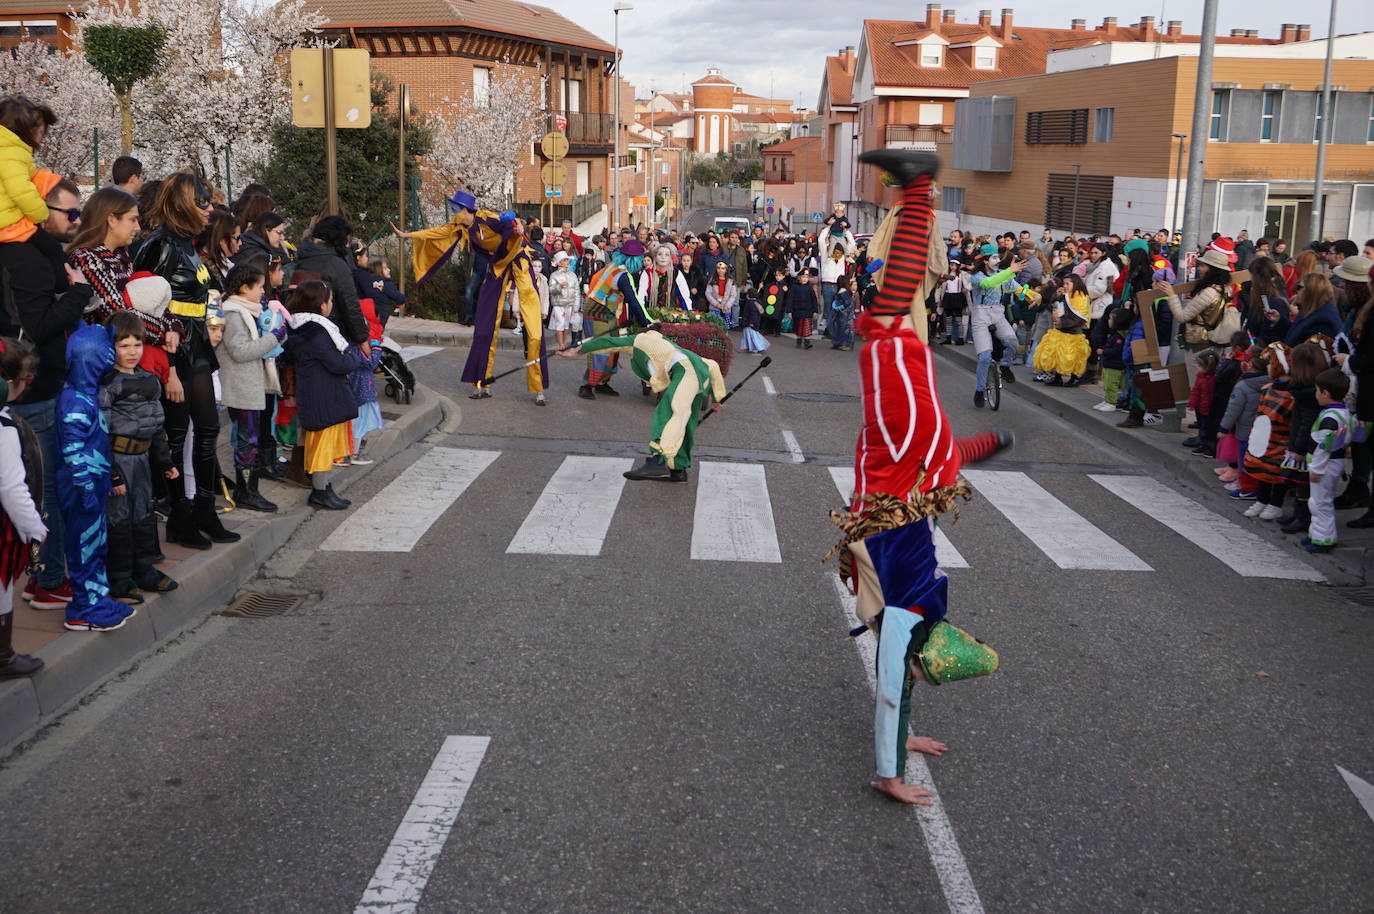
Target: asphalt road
673,734
699,220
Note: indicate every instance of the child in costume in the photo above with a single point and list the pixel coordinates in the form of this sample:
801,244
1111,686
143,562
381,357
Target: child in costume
247,374
363,383
22,185
21,489
687,383
1264,453
615,295
83,482
565,298
131,400
1309,360
1332,435
906,471
1111,357
1062,355
801,304
842,315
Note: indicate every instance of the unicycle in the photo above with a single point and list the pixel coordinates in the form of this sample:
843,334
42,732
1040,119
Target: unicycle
994,391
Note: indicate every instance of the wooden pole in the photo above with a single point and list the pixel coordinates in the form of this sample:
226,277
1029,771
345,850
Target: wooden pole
331,139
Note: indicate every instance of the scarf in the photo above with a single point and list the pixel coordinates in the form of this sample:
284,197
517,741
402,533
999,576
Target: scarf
251,312
300,320
720,286
684,291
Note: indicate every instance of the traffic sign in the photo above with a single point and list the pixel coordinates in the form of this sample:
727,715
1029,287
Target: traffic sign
553,191
770,201
560,122
554,146
770,210
554,174
352,88
817,217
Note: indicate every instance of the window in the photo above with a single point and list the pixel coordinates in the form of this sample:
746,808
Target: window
952,199
931,114
985,58
1066,127
481,87
1106,122
572,91
932,55
1318,120
1221,105
1269,117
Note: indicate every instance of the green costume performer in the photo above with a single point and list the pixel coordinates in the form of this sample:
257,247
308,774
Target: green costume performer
688,384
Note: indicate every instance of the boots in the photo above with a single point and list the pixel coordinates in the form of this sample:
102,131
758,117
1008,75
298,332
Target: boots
207,520
13,665
1134,419
1362,522
586,392
325,498
905,165
246,493
1356,495
1301,519
181,525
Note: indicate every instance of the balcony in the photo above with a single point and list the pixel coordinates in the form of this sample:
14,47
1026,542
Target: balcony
913,136
585,130
579,210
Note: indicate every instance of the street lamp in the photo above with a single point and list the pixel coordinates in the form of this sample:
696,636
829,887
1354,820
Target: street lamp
1073,214
1178,189
615,86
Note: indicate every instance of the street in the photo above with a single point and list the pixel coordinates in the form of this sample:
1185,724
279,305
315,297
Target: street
661,711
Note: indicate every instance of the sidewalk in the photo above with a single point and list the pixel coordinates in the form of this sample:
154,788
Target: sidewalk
77,662
415,331
1351,563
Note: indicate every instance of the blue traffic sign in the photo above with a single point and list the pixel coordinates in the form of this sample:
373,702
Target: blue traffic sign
770,210
817,217
771,201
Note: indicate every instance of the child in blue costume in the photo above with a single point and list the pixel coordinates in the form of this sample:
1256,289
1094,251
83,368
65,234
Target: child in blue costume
83,482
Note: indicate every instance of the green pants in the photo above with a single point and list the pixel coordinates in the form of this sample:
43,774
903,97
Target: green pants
1111,384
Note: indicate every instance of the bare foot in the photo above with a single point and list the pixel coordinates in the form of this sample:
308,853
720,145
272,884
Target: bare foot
927,745
902,792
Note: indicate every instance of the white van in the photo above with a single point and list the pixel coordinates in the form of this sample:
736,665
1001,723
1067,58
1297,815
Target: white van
723,224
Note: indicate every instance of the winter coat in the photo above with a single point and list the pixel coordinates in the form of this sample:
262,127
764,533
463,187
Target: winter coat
176,260
1259,326
801,300
323,397
251,245
1200,397
722,303
132,404
35,298
243,375
1241,405
1137,332
1305,412
334,270
565,291
1099,280
696,286
738,259
1195,315
707,260
19,198
1361,363
1325,320
1111,357
832,270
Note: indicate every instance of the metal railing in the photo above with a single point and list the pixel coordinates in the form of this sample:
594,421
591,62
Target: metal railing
913,136
585,127
579,210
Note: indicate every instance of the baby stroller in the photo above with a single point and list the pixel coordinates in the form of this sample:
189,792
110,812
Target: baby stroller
400,382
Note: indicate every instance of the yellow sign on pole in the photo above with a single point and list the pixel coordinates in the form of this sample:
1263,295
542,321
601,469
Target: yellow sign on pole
352,88
554,145
554,174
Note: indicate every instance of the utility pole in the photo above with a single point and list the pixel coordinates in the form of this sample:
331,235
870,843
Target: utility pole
1178,189
1323,135
651,179
615,86
1197,143
402,104
331,138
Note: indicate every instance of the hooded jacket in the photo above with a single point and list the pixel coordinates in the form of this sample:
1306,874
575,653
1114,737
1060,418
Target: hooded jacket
325,261
19,198
83,438
323,397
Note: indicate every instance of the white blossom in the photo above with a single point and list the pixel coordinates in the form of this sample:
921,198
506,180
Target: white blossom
78,96
479,148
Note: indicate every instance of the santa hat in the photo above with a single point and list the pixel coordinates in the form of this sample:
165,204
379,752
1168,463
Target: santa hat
1226,246
148,293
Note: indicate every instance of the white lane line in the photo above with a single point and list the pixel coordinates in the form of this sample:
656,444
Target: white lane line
733,520
406,865
410,353
1244,552
1068,538
945,553
399,515
950,866
1363,790
575,509
793,447
768,386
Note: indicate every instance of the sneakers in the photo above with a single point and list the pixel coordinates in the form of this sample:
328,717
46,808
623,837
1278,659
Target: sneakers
1271,512
40,597
1154,419
1232,486
1228,474
1243,495
539,399
1255,510
1104,407
360,461
606,390
979,399
105,617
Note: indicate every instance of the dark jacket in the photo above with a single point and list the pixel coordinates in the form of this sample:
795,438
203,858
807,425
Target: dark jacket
801,300
1362,364
323,397
1305,412
251,245
1112,342
36,298
1326,319
696,282
177,261
707,260
1259,325
335,271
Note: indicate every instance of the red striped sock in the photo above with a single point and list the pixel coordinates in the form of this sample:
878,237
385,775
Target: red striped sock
906,259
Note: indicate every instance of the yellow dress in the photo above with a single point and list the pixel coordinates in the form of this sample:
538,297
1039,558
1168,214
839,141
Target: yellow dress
1066,353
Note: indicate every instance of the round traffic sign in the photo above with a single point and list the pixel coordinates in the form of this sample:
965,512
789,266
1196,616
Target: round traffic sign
554,145
554,174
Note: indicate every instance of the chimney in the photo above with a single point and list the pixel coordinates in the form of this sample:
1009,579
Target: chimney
1252,33
1175,28
1237,33
1109,25
933,16
949,16
1006,24
1079,25
1304,32
1147,28
1287,32
985,18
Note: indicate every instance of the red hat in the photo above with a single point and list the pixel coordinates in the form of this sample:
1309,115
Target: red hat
1226,246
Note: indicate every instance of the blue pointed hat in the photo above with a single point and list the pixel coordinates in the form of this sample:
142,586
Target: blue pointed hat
464,200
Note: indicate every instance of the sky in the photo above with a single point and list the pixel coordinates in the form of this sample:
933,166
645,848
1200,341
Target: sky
783,43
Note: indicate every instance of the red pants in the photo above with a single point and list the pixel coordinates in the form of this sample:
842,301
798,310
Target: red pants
803,328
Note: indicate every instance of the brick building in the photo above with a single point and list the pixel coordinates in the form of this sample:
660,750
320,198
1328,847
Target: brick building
35,20
795,179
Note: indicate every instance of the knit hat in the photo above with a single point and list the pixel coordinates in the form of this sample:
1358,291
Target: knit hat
1135,244
1355,269
148,293
561,258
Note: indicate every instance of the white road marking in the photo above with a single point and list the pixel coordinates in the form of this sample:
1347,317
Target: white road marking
768,386
398,516
575,509
410,353
793,447
945,553
1068,538
406,865
950,866
733,520
1363,790
1244,552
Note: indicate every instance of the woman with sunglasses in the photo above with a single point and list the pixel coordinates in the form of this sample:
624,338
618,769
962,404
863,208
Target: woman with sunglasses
179,214
263,237
218,244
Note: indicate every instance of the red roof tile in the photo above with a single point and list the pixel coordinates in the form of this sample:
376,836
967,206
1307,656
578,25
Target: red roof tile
840,81
509,17
792,146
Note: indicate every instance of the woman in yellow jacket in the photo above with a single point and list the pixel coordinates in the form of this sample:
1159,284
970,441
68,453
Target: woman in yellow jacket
1063,352
22,125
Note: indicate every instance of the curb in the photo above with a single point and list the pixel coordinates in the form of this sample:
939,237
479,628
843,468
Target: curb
1354,564
508,339
75,663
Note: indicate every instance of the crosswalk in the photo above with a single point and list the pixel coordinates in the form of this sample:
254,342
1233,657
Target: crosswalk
733,516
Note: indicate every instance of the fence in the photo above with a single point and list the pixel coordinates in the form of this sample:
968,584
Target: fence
721,197
579,210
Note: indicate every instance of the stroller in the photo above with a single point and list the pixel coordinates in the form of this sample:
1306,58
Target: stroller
400,382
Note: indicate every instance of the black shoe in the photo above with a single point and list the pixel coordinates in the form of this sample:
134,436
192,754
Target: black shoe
1007,376
271,470
1205,450
606,390
1192,442
652,468
799,342
1193,425
14,665
208,522
808,345
1073,381
946,341
979,399
1132,421
1356,495
586,392
1301,520
905,165
1362,522
182,529
960,342
677,475
246,494
1055,381
325,498
157,582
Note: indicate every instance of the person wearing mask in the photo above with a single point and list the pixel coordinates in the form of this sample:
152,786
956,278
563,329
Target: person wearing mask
48,298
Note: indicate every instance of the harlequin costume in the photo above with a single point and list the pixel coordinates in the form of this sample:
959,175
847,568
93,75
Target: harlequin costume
84,482
687,384
499,238
906,461
615,298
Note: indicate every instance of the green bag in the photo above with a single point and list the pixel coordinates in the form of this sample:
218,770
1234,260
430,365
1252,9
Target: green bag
951,654
786,326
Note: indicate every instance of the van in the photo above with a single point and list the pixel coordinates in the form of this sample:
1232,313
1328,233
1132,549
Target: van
723,224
